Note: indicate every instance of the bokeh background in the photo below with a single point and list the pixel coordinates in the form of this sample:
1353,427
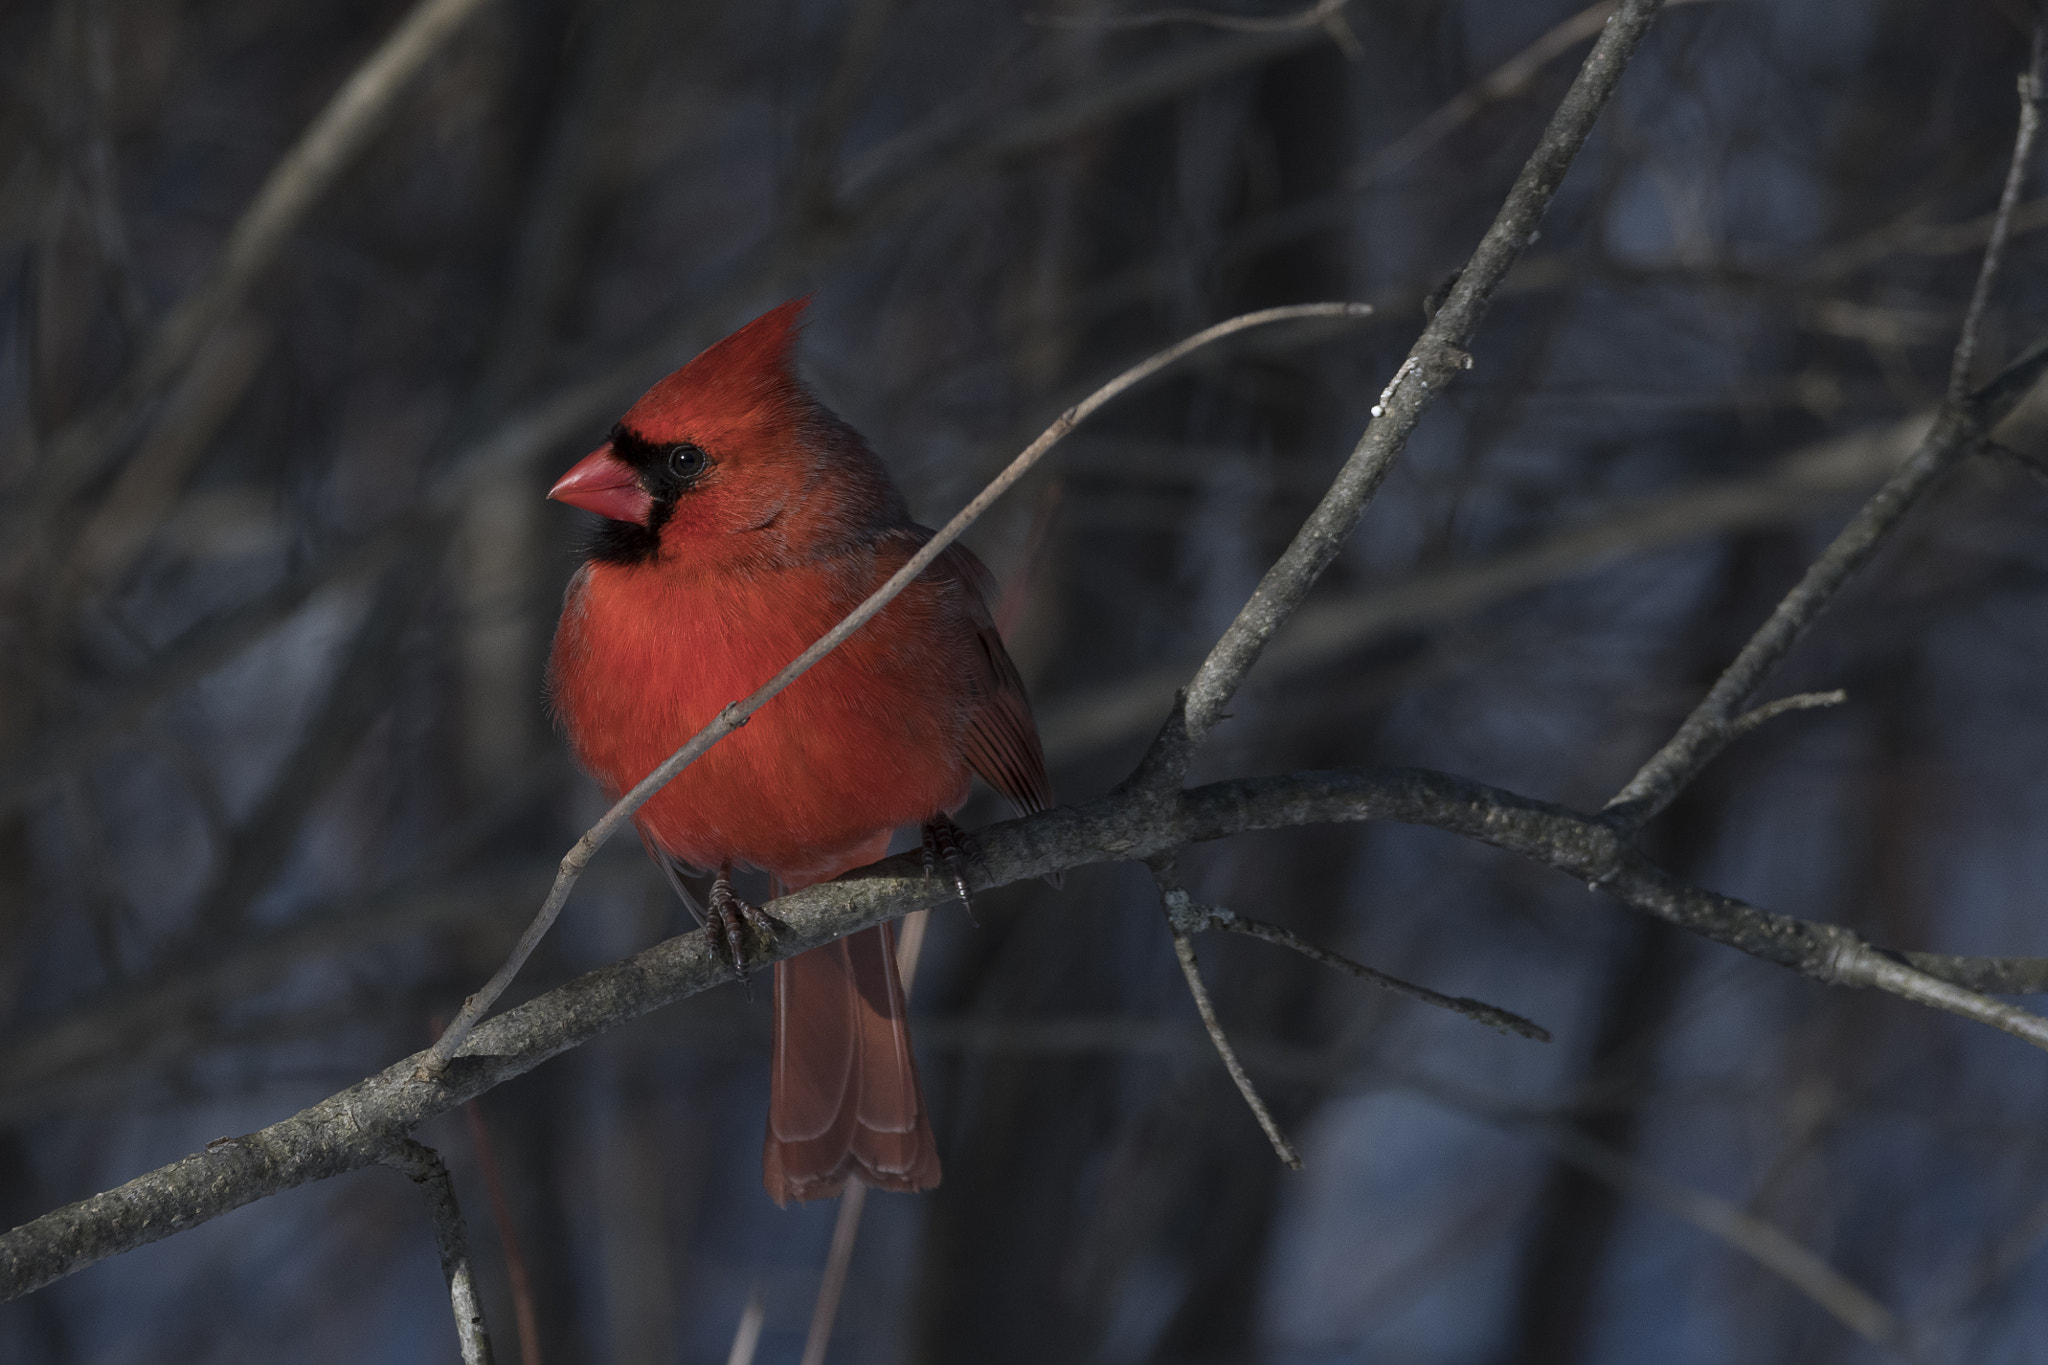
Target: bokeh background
279,784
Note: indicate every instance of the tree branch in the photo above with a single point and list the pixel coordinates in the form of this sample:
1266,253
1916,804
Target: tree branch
358,1126
1436,358
2001,222
424,1165
1962,427
1174,901
1958,430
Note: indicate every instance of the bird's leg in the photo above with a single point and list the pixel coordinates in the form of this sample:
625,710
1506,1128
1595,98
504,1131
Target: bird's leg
732,918
945,840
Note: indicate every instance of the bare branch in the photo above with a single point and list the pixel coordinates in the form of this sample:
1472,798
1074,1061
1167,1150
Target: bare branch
911,167
1965,423
425,1167
358,1126
736,714
746,1335
2001,223
1993,975
1327,15
1174,901
837,1262
1436,358
2018,459
1505,81
1762,1241
1189,917
1957,431
1315,15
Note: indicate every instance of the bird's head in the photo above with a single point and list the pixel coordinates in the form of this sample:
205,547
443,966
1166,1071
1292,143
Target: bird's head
731,456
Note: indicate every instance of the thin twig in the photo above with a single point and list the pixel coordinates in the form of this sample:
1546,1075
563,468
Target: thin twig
846,1227
1739,1229
1505,81
1191,917
1763,1242
1319,13
1184,950
737,713
837,1262
747,1335
1436,358
1327,15
2021,460
426,1168
1771,710
2001,224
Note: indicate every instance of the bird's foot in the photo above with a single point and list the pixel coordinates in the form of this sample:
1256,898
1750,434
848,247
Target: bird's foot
731,919
946,842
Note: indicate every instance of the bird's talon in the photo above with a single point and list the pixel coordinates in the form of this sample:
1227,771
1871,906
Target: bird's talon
945,840
734,917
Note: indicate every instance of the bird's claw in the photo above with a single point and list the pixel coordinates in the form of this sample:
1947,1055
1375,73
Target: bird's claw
732,918
944,840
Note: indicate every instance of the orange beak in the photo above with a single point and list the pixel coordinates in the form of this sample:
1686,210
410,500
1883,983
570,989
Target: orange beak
603,483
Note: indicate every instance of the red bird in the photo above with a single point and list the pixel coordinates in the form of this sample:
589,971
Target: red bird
743,520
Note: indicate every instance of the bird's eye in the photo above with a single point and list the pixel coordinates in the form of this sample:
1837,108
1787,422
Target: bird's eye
686,462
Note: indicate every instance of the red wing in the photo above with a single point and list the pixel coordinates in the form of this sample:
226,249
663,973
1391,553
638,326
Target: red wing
1002,738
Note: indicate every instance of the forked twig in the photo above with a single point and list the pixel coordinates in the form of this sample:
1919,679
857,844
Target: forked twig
1184,951
737,713
1964,423
1190,917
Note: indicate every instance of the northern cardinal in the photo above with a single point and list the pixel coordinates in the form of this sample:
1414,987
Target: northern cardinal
743,519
